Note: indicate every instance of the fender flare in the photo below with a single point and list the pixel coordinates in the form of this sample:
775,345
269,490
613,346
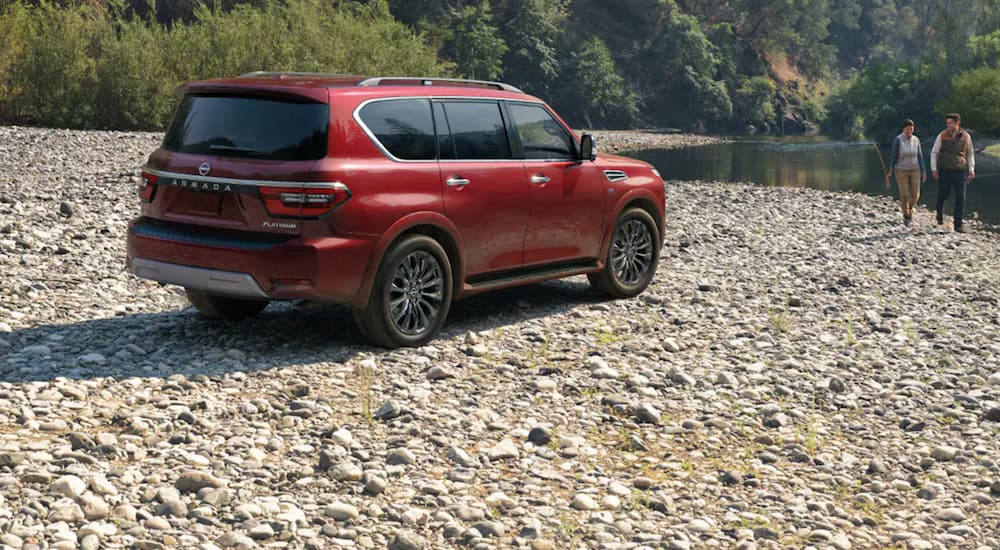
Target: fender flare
623,202
417,219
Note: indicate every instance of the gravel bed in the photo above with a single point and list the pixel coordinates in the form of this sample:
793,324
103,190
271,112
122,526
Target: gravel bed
618,141
804,372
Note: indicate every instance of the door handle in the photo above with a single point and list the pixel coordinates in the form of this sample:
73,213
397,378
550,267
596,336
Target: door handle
539,178
455,181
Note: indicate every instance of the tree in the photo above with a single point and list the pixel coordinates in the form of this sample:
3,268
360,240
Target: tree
754,101
593,91
532,30
976,96
472,42
683,68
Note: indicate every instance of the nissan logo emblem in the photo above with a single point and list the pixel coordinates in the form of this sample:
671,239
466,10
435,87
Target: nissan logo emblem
204,168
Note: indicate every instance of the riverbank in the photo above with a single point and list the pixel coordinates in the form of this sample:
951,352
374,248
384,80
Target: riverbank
802,371
620,141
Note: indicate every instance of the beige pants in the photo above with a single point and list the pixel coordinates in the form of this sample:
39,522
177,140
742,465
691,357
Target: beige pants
909,190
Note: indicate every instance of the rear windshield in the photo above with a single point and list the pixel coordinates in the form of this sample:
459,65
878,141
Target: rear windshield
250,127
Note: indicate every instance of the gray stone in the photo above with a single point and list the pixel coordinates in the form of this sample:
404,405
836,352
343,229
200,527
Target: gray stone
647,414
401,456
194,481
503,450
583,501
341,511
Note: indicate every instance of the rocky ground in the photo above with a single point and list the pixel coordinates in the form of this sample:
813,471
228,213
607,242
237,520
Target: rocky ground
804,372
617,141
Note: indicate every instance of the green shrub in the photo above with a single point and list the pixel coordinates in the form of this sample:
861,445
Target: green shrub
754,101
92,67
976,96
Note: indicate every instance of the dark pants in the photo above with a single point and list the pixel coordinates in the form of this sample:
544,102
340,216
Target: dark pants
948,180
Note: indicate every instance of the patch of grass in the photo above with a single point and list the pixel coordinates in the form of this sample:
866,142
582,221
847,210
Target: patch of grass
567,526
872,511
810,438
780,321
851,340
366,379
606,337
590,392
750,523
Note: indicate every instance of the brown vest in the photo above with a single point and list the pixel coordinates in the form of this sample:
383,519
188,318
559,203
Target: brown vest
951,156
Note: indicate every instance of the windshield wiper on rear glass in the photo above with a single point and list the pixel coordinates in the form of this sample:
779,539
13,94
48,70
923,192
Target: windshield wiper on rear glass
236,149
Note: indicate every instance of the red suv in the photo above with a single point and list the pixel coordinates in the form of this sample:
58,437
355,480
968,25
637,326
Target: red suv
391,195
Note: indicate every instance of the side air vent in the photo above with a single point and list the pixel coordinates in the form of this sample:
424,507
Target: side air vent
615,175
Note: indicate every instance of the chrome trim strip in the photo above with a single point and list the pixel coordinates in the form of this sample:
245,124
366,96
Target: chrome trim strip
390,156
229,283
430,81
615,175
258,183
293,74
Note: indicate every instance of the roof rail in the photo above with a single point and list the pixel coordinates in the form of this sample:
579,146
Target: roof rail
276,74
430,81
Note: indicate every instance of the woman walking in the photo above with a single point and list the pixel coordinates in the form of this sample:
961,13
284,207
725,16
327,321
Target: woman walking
907,165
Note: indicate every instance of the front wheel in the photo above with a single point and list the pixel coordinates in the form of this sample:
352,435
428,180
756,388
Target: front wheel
214,306
632,256
411,295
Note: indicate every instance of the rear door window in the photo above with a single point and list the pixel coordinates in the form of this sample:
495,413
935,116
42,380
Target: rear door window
541,135
477,130
404,127
249,127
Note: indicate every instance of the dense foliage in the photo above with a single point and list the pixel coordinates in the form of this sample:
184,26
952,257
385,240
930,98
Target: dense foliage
85,66
854,66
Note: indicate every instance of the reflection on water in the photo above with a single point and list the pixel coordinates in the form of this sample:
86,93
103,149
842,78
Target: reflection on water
813,162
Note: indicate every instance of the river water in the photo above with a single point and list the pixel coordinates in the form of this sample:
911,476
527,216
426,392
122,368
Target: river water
814,162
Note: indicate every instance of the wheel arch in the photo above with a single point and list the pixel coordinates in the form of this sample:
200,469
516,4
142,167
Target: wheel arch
432,225
641,199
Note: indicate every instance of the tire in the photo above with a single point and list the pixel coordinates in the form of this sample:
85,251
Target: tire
214,306
411,295
633,254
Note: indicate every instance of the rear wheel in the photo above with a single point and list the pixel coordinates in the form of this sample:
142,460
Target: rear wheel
214,306
411,295
632,256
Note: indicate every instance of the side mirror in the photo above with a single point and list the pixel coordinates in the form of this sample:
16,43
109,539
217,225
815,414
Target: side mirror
587,147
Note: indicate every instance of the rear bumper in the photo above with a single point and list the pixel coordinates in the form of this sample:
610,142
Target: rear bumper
248,265
227,283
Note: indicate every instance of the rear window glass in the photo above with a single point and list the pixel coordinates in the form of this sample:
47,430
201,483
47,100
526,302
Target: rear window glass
251,127
478,130
404,127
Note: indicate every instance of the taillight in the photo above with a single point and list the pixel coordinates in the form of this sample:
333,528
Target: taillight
309,202
147,187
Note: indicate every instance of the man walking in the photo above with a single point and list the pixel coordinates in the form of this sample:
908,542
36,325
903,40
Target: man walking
953,164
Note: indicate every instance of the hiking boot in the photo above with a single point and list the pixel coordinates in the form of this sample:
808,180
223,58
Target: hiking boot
907,222
960,229
940,219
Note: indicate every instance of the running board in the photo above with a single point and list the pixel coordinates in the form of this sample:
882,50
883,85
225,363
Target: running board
531,274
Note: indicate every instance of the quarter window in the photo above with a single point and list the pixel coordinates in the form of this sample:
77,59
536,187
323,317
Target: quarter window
404,127
542,137
477,130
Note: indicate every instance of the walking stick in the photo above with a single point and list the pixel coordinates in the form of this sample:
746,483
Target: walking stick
885,171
